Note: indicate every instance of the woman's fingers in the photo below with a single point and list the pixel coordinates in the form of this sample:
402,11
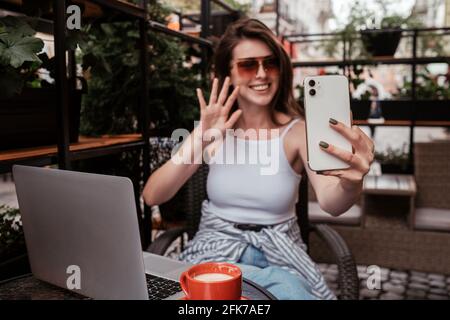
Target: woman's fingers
367,139
224,92
348,133
348,157
214,90
201,99
334,173
353,134
353,177
234,117
231,100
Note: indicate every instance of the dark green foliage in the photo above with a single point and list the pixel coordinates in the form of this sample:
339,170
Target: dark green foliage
111,60
427,87
357,80
396,157
12,240
111,56
18,54
363,18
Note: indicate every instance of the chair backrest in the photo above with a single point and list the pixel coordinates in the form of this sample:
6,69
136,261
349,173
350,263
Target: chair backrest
432,173
190,197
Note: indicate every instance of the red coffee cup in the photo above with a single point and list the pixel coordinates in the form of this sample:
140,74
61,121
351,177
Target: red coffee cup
212,281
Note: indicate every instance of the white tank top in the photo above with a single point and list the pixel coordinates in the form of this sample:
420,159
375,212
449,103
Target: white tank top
251,181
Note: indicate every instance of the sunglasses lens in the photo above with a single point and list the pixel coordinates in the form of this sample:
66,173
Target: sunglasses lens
270,64
248,68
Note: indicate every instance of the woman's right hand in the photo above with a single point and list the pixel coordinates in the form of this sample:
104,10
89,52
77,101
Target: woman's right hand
168,179
214,115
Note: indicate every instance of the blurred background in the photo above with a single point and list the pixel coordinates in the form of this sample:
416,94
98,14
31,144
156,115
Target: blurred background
104,96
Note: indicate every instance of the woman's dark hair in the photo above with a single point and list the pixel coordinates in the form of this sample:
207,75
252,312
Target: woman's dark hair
246,28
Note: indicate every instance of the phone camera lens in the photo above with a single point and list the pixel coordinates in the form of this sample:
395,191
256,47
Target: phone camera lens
312,92
312,83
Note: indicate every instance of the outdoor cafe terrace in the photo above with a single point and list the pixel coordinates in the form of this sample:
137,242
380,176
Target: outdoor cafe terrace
93,120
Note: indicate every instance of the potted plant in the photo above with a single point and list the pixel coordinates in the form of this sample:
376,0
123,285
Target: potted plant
383,39
393,160
110,60
379,31
432,94
360,106
28,104
13,253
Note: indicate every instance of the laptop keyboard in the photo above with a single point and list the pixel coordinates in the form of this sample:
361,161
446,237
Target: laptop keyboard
160,288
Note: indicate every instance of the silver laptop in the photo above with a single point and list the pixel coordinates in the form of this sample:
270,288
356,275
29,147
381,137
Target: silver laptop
81,232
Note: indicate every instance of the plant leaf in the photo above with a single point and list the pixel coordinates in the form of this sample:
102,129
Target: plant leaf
17,26
23,50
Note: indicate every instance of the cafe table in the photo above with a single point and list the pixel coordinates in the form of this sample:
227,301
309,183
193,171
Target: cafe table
27,287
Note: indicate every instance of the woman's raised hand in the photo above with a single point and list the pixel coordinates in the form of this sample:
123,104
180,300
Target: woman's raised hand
214,115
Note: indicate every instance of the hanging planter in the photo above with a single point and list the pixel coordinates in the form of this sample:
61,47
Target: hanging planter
379,42
377,31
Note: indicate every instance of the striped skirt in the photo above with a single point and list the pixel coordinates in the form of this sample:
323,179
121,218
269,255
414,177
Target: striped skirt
218,240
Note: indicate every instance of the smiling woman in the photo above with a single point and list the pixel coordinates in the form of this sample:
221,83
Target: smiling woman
249,217
252,57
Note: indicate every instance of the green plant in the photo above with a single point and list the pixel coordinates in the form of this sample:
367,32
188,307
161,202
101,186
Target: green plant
111,62
194,6
399,156
432,44
19,50
12,240
362,18
357,80
110,57
237,5
358,16
427,87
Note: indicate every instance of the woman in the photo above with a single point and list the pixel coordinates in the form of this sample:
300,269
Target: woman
250,218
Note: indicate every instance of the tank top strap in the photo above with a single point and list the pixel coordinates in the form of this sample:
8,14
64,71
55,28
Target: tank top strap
289,126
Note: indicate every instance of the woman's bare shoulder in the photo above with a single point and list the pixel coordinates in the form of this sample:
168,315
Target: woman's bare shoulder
299,126
296,135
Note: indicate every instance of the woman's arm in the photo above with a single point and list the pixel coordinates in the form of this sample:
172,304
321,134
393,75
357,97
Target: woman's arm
165,182
338,190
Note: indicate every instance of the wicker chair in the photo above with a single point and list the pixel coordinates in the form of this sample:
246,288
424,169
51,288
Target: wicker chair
189,200
432,174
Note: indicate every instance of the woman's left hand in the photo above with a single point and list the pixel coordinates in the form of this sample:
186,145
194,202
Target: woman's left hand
359,160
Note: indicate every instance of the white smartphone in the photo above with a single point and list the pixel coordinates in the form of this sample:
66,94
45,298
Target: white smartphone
326,97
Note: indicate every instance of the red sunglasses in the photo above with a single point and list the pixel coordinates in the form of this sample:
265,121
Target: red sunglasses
248,68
